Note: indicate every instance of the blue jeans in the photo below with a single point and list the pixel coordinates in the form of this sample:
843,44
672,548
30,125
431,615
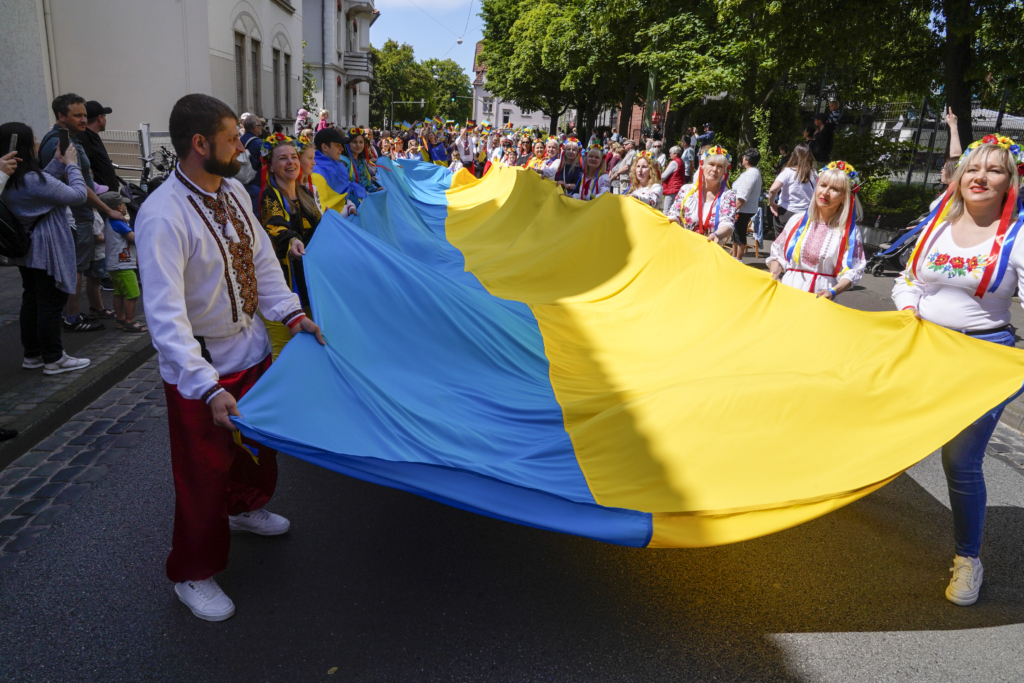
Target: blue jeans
961,459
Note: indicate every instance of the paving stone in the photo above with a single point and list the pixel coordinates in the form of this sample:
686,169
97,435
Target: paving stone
32,458
97,427
127,440
49,490
83,440
26,486
114,412
105,440
31,507
13,475
162,401
144,425
70,494
8,560
85,457
70,429
10,525
47,469
24,540
111,456
66,474
155,394
7,505
64,454
157,412
26,406
128,400
103,402
118,427
50,443
91,475
47,516
132,416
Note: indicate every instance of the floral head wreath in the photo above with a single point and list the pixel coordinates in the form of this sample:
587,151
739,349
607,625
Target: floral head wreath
1000,141
597,145
573,141
278,139
717,150
847,168
352,132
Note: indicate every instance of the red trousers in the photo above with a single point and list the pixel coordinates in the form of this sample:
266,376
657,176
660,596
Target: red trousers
213,478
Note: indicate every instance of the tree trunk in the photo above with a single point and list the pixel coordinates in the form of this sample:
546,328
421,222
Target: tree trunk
628,96
957,58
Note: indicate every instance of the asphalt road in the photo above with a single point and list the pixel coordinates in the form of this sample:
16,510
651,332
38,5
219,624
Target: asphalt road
381,585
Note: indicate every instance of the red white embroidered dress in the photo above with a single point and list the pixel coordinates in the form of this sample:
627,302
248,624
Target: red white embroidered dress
818,255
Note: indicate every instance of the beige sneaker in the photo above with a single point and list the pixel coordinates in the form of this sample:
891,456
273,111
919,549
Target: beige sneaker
966,582
65,364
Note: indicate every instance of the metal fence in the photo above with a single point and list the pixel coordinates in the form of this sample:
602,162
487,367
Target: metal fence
903,121
125,149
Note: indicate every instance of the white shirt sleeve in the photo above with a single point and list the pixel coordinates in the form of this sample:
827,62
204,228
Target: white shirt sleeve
778,253
905,293
669,170
163,250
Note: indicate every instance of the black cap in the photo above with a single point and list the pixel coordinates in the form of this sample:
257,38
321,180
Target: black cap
326,136
93,109
708,125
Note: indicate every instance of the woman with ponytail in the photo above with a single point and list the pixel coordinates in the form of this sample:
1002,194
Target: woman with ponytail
708,206
962,275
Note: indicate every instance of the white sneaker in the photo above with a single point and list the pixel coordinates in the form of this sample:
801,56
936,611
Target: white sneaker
966,582
32,363
65,364
259,522
205,599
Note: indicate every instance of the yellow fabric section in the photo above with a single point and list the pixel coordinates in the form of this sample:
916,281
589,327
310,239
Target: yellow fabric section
329,199
700,390
279,336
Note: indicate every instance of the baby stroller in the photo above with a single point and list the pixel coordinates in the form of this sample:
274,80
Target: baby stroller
894,254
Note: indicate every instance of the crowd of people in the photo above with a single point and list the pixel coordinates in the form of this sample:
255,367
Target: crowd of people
220,247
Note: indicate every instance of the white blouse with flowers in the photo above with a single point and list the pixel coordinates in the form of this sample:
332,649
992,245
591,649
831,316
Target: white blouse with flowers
948,277
648,195
686,209
818,256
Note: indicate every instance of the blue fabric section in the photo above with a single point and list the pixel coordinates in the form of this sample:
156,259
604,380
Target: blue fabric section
428,383
338,176
120,227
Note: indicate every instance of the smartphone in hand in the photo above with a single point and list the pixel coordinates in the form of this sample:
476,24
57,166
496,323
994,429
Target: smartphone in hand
14,143
63,140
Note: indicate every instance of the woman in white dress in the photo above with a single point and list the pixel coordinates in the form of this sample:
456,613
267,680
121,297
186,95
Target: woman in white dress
643,180
962,275
594,181
707,206
820,251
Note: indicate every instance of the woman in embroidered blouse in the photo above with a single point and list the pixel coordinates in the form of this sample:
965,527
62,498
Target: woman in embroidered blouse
594,181
357,155
288,211
643,180
959,277
549,166
396,149
820,251
707,206
385,147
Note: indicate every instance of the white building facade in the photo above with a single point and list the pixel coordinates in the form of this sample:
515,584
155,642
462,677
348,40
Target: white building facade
498,112
139,56
337,36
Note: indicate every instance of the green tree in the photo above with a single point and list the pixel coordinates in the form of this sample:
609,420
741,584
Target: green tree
397,76
308,84
448,77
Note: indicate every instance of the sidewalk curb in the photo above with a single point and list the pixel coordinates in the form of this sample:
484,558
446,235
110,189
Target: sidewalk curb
1013,415
37,424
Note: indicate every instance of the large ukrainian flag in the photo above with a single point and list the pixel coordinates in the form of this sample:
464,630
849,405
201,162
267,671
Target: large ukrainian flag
592,369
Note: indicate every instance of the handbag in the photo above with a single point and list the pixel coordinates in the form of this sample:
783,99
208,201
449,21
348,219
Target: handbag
15,240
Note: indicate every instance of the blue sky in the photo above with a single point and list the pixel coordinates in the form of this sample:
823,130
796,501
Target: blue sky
432,27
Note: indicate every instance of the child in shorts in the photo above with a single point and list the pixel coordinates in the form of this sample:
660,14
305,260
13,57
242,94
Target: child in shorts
121,264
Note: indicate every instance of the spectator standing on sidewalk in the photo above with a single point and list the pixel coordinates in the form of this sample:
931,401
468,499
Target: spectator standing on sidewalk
672,178
207,269
824,137
793,189
687,157
69,109
748,194
39,200
252,140
103,171
705,138
121,263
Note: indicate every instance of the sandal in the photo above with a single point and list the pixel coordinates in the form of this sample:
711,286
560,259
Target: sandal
106,313
134,326
119,324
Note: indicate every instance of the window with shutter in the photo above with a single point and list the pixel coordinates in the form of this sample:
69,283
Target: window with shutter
239,73
256,102
277,83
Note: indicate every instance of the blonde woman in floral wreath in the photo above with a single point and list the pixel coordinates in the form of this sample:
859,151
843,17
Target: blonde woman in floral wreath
644,175
707,206
962,275
820,251
594,181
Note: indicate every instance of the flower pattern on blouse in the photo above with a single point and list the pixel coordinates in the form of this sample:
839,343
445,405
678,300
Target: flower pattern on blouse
687,210
958,266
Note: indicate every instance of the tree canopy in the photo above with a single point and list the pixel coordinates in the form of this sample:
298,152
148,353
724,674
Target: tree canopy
398,76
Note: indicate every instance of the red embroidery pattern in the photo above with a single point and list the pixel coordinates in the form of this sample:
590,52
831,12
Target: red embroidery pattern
223,255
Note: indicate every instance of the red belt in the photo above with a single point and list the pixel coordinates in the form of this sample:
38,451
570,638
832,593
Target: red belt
814,280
